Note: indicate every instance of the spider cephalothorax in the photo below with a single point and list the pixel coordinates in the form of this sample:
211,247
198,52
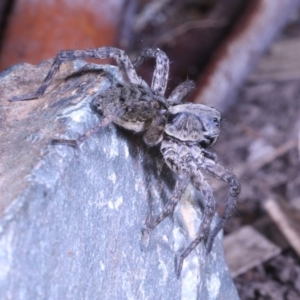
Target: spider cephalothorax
182,130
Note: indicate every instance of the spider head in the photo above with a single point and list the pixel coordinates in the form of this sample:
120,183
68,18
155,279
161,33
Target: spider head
194,123
211,122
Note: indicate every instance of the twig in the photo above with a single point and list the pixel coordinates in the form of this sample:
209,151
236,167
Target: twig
269,157
287,220
183,28
299,141
124,37
237,56
266,159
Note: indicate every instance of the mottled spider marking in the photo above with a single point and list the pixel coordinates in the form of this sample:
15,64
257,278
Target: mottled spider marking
144,110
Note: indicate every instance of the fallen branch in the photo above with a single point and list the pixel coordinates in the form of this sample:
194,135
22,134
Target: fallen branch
270,156
287,219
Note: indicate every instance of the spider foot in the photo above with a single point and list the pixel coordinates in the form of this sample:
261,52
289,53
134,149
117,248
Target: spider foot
24,97
72,143
145,238
213,234
209,244
178,265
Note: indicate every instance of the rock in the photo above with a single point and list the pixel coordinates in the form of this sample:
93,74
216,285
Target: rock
71,218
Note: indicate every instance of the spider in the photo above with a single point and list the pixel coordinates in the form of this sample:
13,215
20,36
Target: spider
182,130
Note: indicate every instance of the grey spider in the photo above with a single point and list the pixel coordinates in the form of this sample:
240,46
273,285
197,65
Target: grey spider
183,130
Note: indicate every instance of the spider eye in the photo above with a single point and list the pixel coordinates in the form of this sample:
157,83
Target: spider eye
216,121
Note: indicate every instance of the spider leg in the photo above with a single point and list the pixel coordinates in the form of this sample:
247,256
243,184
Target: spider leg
161,71
225,175
210,208
180,92
210,155
104,122
180,187
179,165
120,56
88,68
154,133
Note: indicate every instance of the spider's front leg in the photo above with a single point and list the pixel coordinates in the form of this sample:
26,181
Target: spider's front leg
104,122
181,92
225,175
120,56
178,164
179,189
161,71
201,185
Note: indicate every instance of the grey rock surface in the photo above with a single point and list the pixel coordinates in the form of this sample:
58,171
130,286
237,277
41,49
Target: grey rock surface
71,219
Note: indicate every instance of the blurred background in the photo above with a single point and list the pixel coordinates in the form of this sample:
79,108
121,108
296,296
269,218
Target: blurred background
244,57
189,31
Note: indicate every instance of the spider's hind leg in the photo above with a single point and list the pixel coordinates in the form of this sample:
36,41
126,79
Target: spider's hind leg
104,122
120,56
109,106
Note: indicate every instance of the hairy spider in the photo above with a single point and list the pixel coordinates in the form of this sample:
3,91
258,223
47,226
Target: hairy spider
183,130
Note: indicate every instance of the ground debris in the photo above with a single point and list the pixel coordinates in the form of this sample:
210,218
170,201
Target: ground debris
277,279
264,151
247,248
